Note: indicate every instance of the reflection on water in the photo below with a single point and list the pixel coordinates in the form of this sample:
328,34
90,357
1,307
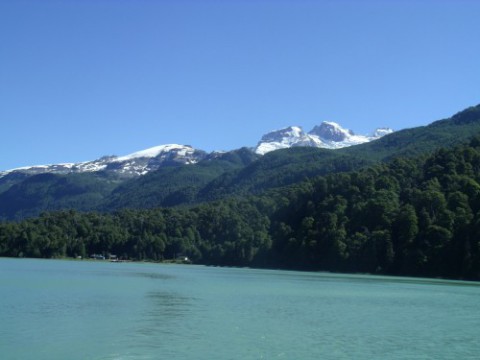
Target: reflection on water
167,307
152,275
164,323
126,272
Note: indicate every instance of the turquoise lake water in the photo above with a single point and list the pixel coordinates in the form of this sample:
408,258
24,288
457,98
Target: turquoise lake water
52,309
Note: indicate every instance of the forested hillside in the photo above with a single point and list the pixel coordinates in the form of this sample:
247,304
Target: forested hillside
102,191
421,140
42,192
411,216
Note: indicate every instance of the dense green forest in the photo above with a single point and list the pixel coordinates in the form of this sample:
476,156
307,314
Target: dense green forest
410,216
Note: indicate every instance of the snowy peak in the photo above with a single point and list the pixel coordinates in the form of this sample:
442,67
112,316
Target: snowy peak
331,131
284,138
142,162
291,132
161,150
328,135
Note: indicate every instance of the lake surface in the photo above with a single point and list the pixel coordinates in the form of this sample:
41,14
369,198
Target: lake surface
52,309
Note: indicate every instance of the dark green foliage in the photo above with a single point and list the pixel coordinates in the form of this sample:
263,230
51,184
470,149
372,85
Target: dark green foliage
279,168
228,233
7,181
423,227
46,192
175,185
421,140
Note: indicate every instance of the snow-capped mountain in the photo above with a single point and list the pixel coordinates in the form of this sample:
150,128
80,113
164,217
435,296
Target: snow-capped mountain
144,161
328,135
138,163
284,138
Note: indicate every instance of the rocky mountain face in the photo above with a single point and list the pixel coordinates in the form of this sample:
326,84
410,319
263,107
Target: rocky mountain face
327,135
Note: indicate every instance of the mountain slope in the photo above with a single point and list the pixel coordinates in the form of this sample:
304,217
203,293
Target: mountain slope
128,166
169,186
287,166
277,169
217,176
420,140
47,192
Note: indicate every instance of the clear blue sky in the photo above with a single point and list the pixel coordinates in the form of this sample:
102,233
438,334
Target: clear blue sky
86,78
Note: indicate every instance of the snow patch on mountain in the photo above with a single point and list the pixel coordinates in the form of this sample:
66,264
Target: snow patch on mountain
155,151
381,132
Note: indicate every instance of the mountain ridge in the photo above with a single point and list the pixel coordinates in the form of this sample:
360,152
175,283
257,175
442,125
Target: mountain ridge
328,135
221,175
